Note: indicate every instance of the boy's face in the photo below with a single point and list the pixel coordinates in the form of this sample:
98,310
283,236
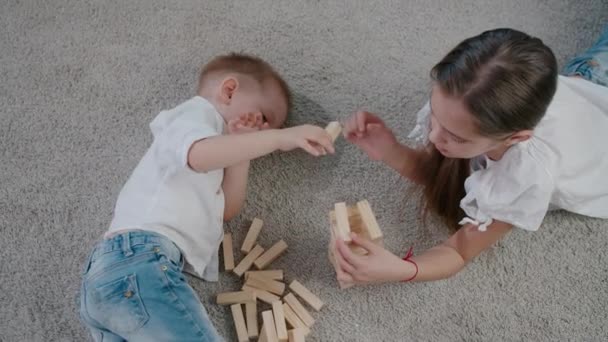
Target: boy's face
244,95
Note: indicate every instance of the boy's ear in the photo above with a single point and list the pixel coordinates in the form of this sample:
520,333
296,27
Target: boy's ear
519,137
228,87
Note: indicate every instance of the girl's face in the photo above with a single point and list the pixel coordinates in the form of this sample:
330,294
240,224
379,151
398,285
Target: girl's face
454,132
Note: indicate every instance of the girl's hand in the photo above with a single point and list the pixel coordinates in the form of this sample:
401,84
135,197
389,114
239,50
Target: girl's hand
378,266
312,139
246,123
370,134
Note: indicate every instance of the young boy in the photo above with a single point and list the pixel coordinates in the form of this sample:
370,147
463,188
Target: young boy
168,217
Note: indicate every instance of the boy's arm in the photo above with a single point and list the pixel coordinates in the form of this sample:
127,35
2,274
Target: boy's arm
234,186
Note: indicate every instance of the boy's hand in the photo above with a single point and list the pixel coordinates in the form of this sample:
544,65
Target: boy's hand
246,123
313,139
370,134
378,266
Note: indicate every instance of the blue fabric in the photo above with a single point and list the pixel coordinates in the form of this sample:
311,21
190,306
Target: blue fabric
593,63
133,289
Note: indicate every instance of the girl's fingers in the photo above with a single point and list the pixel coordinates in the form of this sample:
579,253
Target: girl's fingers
346,253
344,265
361,121
361,242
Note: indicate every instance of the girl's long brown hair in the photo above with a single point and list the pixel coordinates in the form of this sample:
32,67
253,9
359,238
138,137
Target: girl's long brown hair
506,79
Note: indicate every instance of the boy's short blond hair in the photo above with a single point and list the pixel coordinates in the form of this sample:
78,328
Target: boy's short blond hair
244,64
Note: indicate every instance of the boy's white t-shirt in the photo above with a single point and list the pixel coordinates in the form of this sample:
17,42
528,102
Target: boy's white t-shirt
564,165
164,195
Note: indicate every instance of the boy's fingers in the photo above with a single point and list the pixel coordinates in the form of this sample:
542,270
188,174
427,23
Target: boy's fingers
306,146
361,121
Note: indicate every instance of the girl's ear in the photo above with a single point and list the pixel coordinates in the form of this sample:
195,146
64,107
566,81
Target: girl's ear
227,89
519,137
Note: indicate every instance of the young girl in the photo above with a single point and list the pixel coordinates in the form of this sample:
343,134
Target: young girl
506,140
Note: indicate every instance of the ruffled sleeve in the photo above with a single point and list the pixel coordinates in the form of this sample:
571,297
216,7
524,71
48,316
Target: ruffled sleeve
516,189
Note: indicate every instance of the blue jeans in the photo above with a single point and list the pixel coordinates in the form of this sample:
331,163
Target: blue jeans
133,289
593,63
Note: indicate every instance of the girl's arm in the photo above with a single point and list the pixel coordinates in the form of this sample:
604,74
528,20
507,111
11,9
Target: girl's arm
369,133
436,263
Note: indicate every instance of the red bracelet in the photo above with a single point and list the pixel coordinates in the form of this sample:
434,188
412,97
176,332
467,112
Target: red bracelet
407,258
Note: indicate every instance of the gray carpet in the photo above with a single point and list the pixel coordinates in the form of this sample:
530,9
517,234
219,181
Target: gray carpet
81,81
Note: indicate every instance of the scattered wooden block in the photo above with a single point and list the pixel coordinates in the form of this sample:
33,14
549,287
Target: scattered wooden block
296,335
251,311
263,337
247,261
252,235
271,254
262,295
279,321
269,328
239,322
306,295
228,254
238,297
299,309
342,224
294,321
369,221
268,274
269,285
333,129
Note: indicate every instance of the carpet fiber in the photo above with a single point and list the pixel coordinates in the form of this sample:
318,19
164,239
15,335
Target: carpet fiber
81,80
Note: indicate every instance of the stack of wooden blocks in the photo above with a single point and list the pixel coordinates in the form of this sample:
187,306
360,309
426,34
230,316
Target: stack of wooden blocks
359,219
266,286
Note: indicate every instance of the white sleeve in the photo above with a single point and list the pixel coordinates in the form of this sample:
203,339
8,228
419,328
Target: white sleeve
420,133
516,190
176,130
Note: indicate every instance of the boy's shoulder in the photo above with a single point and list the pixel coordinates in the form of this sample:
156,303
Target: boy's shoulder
194,112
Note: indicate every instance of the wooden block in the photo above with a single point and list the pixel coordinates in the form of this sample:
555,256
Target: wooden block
306,295
294,321
279,321
369,220
228,254
299,309
269,285
269,328
263,337
296,335
262,295
252,235
271,254
238,297
247,261
333,129
251,311
342,224
268,274
239,322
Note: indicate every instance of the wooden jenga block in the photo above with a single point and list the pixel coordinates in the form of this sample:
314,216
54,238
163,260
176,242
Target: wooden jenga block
247,261
271,254
251,312
262,295
263,337
238,297
306,295
296,335
342,224
294,321
239,322
228,253
268,274
252,235
333,129
299,309
269,328
369,221
279,321
269,285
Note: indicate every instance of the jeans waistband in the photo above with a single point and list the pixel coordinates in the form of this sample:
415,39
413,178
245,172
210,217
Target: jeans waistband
128,240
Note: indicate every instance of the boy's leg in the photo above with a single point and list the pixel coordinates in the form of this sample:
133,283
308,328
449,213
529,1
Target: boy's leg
593,63
137,292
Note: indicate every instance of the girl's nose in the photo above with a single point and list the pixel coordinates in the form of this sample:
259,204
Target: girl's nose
436,136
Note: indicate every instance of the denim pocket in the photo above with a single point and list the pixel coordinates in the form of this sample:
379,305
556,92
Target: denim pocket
120,306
